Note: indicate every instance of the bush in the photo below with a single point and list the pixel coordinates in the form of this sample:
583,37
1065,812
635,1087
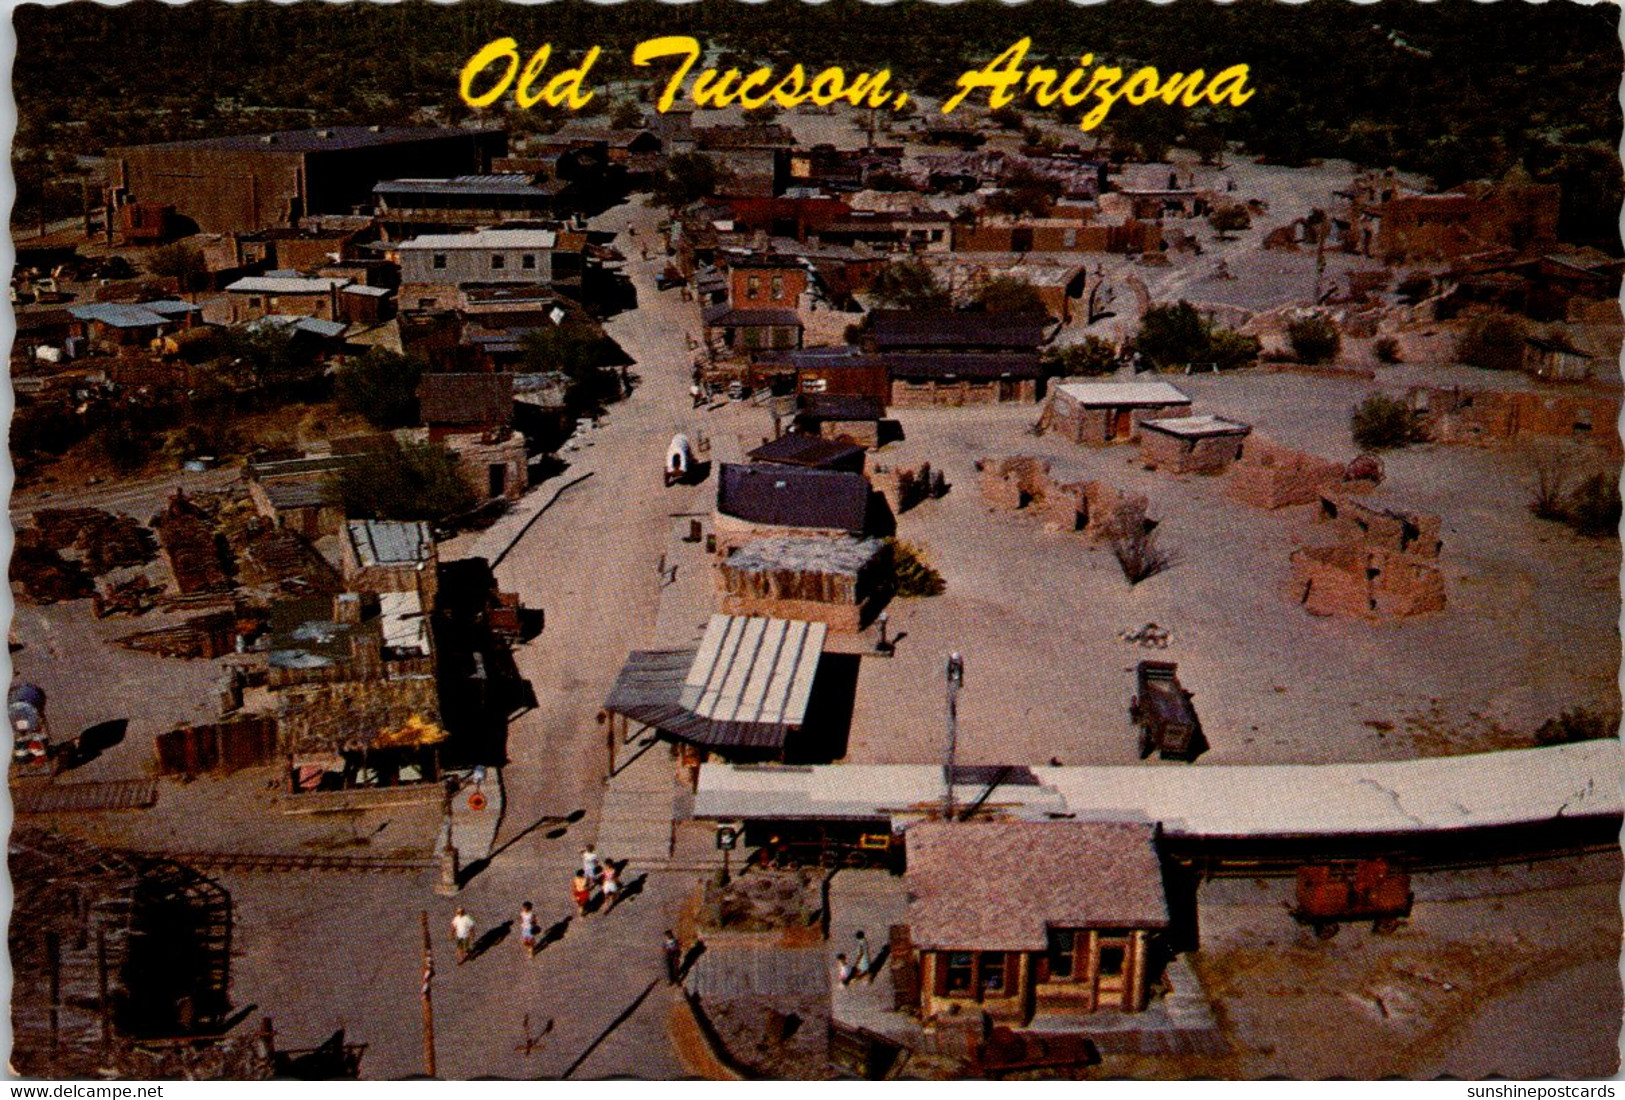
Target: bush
1594,506
1382,422
1171,335
1229,219
1093,356
1139,555
1007,294
1228,349
1493,343
1387,350
913,573
382,386
411,481
1578,724
1314,339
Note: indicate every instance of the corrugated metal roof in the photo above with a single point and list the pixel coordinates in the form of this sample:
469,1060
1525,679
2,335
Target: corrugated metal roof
501,183
299,285
483,238
746,686
389,542
1121,394
119,315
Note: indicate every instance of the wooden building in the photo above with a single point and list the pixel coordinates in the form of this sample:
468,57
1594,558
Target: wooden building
838,582
1021,920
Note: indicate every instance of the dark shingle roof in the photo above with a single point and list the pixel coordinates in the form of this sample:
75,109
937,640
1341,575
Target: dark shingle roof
839,406
320,140
967,365
782,496
998,886
950,329
811,451
466,399
722,316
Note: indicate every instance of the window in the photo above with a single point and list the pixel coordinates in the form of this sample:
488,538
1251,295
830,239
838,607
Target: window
991,966
961,972
778,286
528,262
498,261
753,287
254,303
1111,961
438,261
1062,949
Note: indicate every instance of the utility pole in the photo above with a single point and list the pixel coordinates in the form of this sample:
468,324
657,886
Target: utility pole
956,680
428,997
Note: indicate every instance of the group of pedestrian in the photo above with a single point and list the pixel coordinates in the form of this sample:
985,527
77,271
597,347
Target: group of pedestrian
598,877
859,967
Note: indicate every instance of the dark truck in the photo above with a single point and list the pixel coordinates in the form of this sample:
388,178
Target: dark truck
1162,709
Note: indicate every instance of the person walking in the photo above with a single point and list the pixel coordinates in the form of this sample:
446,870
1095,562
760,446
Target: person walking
581,893
860,965
609,882
673,949
462,934
590,863
530,932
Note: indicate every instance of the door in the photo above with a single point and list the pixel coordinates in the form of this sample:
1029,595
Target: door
1112,963
1122,423
497,478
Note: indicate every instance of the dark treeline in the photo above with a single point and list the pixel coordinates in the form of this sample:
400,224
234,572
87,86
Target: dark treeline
1455,89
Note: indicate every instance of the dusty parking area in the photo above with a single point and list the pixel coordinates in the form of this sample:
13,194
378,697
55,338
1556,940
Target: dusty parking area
1453,991
1529,628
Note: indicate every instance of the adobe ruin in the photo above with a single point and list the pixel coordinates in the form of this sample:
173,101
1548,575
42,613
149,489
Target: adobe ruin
1269,475
1097,510
1384,566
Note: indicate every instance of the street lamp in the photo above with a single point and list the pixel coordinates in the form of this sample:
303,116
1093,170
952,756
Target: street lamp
956,680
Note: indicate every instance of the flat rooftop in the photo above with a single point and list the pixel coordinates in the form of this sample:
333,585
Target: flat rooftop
323,139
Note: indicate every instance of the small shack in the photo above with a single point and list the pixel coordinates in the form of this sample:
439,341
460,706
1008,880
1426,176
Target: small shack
838,582
1020,920
1191,444
1099,413
380,555
743,694
848,418
810,452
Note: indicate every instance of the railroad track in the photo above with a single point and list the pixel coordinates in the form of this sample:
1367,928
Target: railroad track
55,798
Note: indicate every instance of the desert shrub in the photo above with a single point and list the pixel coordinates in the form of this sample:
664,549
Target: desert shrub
1551,495
1594,506
1092,357
1493,343
1387,350
1382,422
913,573
1228,349
407,481
1578,724
1138,554
1314,339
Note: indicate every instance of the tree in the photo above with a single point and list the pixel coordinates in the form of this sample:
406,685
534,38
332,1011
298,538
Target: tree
627,115
181,261
1092,357
1229,220
1314,339
686,178
382,386
1008,294
405,481
1024,193
267,358
1172,334
582,352
909,284
1493,343
1382,422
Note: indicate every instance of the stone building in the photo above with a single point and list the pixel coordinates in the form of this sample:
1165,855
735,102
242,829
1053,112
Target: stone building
1191,444
1383,566
1099,413
840,582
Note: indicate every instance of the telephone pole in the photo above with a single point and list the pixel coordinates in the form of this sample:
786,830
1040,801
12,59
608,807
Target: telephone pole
428,997
956,680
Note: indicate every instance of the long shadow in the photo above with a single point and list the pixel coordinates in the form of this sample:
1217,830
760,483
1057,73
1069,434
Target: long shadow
554,934
689,959
491,938
626,1014
879,961
633,889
